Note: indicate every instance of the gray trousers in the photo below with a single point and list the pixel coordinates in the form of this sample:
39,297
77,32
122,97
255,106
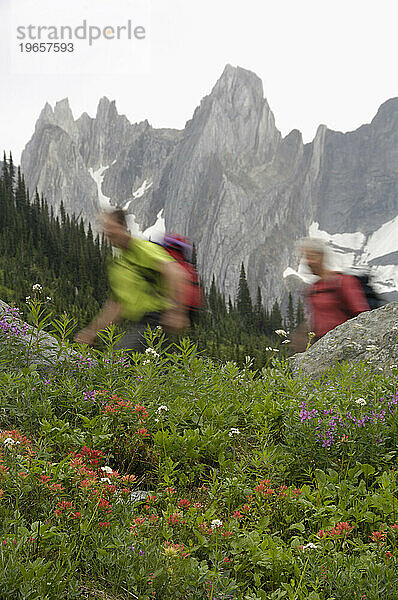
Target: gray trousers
134,339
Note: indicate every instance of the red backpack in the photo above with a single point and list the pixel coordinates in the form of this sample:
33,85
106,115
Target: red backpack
180,248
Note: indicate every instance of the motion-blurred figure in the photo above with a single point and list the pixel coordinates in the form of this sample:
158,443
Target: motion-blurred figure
181,249
333,298
147,285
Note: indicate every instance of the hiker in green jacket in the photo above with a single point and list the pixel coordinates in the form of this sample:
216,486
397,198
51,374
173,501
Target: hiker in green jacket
147,288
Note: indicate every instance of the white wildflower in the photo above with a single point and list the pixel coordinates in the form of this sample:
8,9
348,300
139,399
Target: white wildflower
107,469
393,366
216,523
361,401
146,362
37,288
152,352
310,546
162,408
275,350
8,442
233,431
281,332
105,480
286,341
48,298
27,298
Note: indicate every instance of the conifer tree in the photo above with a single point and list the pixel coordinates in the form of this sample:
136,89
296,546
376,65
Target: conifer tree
300,316
275,318
290,314
259,312
244,305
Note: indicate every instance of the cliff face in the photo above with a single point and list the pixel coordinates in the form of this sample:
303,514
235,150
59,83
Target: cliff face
229,181
92,161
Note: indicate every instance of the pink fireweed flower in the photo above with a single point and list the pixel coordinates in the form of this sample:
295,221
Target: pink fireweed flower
174,519
237,514
377,536
153,518
341,528
57,487
129,478
44,479
142,432
175,550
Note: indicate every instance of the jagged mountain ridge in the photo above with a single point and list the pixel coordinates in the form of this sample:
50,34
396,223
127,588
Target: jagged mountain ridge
229,180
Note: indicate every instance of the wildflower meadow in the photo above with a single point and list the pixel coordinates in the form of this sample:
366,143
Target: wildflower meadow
169,475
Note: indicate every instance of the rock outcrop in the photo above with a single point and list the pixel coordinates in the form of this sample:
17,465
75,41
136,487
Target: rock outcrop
37,347
370,337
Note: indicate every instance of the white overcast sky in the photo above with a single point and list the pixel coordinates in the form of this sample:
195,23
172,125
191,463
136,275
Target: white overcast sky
321,61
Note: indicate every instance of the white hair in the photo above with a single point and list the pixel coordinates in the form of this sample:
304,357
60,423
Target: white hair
313,244
318,246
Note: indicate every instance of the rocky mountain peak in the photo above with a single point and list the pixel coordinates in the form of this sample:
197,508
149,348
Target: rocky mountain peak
235,119
387,115
106,110
46,116
237,78
63,117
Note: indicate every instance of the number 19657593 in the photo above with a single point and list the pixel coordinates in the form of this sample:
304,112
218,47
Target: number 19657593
47,47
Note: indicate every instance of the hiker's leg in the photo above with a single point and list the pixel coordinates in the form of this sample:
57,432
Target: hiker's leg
134,338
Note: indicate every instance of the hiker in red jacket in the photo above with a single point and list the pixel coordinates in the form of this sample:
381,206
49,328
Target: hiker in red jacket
333,298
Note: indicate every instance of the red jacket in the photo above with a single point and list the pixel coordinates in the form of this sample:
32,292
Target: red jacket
333,301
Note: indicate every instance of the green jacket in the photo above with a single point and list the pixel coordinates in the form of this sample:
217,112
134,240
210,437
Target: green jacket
136,281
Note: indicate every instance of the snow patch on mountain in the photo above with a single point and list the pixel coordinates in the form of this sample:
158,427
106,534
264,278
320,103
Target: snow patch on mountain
383,241
144,187
98,176
155,232
133,227
353,241
157,229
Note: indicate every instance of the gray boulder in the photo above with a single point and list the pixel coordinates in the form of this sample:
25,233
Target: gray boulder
370,337
37,348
